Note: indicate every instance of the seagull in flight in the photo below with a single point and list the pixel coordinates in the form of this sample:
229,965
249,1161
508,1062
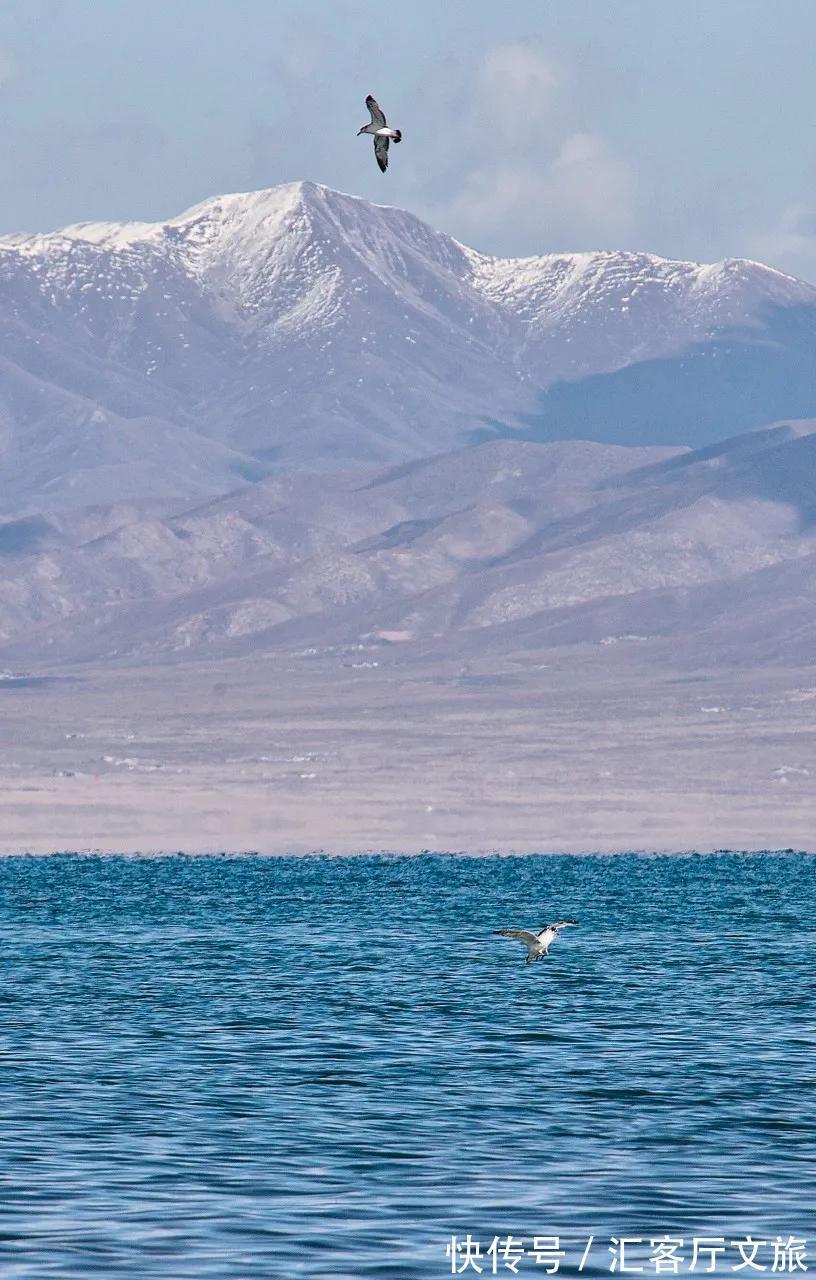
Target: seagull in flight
537,944
378,126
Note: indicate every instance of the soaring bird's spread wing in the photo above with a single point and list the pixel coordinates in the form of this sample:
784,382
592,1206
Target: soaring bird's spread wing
522,935
381,150
377,113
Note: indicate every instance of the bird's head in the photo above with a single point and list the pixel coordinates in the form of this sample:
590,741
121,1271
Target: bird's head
565,924
362,129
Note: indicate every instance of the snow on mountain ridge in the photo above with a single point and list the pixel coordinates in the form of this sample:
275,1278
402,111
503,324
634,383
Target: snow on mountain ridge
301,327
223,240
642,306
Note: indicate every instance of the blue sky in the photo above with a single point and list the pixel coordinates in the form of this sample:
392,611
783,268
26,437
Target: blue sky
683,128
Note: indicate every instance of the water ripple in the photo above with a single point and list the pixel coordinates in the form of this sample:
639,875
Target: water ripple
244,1067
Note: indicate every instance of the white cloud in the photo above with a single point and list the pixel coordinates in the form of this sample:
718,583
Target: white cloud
791,243
7,67
525,170
582,196
515,84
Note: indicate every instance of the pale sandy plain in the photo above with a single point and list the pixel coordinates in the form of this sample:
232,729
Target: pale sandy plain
585,748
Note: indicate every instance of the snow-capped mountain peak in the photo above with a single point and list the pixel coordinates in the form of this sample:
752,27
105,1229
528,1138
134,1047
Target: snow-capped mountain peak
299,326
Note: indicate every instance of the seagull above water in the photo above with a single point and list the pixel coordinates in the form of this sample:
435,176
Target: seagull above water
382,134
537,944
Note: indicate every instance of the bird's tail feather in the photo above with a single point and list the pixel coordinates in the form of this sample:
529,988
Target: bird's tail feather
397,135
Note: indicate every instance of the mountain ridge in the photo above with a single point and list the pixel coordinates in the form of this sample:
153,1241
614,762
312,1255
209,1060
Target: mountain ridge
464,549
298,327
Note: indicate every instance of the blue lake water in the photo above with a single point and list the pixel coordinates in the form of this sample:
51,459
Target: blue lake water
254,1067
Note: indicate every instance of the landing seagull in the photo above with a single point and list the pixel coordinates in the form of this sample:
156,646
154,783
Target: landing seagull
538,944
382,134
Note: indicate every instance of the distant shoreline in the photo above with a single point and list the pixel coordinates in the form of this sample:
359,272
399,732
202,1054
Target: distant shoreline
237,854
